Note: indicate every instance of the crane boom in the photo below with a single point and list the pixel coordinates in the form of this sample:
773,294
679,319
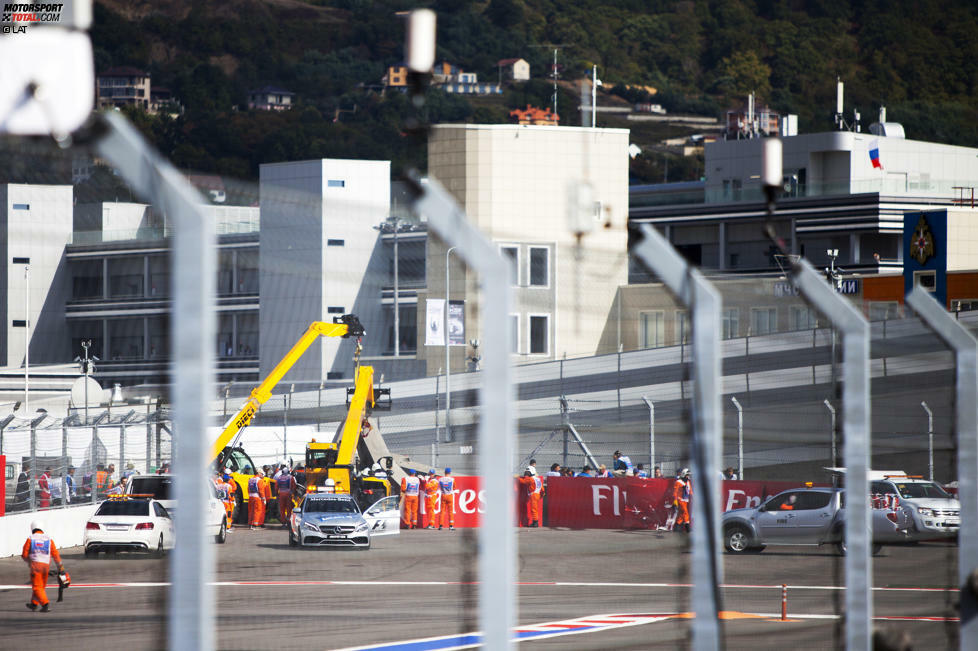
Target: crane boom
347,325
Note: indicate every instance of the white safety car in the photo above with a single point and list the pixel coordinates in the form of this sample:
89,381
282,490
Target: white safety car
129,525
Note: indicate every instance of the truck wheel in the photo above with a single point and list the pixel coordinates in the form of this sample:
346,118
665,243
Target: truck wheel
737,539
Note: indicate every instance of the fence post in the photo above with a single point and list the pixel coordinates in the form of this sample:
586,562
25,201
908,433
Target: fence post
703,301
740,437
122,448
33,475
651,435
930,439
965,349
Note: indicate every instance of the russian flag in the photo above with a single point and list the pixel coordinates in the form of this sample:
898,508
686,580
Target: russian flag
874,154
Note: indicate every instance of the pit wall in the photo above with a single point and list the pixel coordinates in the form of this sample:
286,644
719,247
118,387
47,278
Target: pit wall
65,526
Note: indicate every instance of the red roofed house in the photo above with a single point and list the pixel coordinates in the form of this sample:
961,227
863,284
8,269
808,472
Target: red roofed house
533,115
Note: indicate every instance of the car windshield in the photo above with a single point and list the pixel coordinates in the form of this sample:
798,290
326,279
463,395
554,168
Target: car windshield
158,487
128,507
920,489
330,506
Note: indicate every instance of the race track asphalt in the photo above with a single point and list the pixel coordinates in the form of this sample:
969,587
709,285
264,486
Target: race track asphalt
420,584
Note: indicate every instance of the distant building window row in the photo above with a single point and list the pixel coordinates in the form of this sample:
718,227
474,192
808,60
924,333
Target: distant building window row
538,271
22,206
335,242
335,183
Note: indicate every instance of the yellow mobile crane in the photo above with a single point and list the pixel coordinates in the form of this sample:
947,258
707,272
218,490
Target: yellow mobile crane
338,461
227,451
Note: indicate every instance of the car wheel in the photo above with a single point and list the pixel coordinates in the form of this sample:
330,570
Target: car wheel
90,553
876,548
737,540
159,548
292,541
222,537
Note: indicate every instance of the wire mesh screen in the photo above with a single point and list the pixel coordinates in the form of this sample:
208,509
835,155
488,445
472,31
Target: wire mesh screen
602,397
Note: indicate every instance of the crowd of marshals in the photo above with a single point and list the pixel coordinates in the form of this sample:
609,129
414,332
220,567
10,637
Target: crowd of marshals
435,489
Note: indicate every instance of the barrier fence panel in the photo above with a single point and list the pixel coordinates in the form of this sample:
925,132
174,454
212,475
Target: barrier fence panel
488,317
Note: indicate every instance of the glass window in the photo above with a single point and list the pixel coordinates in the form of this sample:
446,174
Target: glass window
225,335
159,336
127,507
926,279
512,253
539,266
86,279
86,331
802,318
159,486
159,275
731,323
248,334
334,183
126,339
330,506
247,271
409,328
651,329
225,272
539,335
763,320
410,264
125,277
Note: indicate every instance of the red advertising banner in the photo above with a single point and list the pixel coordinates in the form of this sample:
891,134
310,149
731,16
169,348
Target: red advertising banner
603,503
469,503
633,503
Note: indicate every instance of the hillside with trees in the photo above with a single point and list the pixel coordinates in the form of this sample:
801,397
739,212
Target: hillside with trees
918,57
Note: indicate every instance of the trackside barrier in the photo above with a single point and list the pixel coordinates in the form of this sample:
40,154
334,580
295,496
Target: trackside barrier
605,503
965,349
66,526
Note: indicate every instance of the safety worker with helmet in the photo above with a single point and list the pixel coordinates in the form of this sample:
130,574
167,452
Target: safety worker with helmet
411,490
682,492
533,485
446,484
285,483
229,489
431,493
38,552
256,501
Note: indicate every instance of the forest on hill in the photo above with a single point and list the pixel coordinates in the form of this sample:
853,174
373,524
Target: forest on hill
919,58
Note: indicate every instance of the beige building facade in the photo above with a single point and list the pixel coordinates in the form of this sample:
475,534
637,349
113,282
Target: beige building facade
517,184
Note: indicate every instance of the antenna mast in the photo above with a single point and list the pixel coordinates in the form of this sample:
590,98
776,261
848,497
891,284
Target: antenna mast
553,72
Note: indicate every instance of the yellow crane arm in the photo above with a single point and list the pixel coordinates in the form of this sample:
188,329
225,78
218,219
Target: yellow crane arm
350,436
345,326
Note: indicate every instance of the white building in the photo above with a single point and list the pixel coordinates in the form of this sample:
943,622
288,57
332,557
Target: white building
514,182
318,239
35,228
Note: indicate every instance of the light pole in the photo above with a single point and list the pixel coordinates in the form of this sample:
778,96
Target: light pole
27,329
740,437
448,363
832,411
87,370
930,439
651,434
397,307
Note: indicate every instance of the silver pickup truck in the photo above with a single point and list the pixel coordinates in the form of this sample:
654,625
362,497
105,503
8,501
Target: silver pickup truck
804,516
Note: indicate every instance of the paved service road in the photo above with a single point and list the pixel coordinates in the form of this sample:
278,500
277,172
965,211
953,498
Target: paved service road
419,584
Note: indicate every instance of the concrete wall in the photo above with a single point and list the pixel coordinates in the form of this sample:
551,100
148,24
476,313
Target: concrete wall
515,183
35,223
66,526
317,241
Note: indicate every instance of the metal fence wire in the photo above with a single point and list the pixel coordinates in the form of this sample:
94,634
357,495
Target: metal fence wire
595,369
